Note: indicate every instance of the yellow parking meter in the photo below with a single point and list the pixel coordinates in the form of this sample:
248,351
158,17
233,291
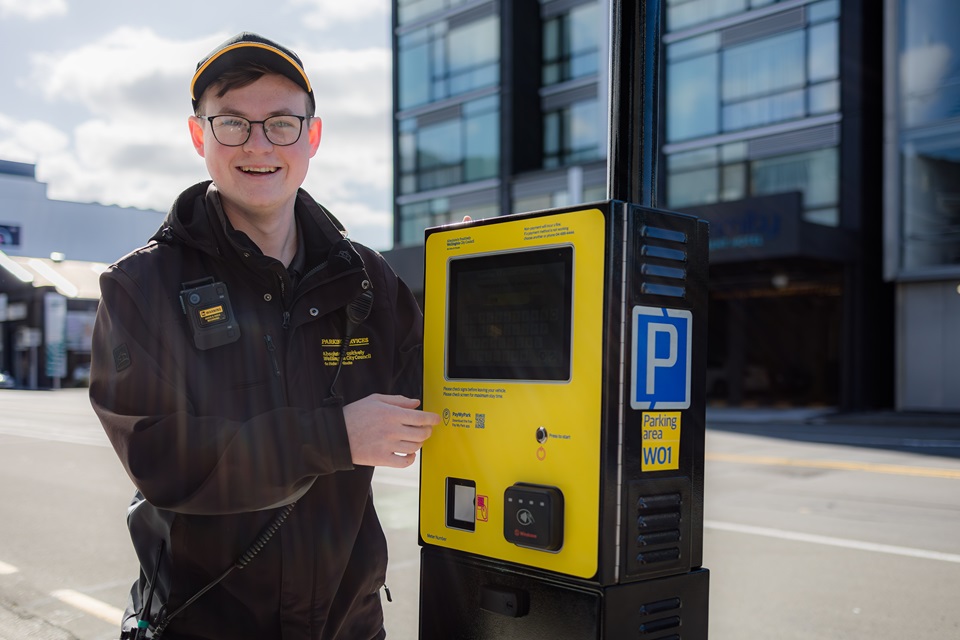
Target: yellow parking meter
565,352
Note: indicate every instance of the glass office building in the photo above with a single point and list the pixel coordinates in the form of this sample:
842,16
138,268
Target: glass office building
495,104
770,127
922,198
770,131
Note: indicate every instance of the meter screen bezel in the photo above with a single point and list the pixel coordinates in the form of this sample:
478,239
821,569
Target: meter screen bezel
467,275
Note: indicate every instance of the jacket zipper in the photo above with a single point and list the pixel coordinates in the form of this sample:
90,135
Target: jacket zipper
283,303
272,348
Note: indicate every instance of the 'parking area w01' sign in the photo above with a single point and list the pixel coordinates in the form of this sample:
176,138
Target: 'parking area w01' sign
660,371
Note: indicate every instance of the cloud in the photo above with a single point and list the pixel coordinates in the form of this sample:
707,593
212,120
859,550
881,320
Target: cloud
132,146
128,70
324,14
352,172
33,9
26,141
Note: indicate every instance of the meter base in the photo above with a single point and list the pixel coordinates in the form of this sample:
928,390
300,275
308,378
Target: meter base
463,597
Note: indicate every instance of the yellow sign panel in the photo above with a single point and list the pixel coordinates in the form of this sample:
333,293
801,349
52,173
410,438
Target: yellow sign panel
515,370
661,440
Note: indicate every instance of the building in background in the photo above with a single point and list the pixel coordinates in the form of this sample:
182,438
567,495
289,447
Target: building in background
772,132
500,107
922,198
51,255
771,127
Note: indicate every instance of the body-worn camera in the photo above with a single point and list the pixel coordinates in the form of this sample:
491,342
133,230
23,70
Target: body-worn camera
207,306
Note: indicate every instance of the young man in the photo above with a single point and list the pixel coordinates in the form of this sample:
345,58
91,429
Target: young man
251,366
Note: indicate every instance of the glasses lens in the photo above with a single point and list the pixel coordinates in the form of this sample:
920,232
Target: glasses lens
231,131
283,130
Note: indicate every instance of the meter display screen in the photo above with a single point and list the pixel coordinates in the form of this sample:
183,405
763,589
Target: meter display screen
510,315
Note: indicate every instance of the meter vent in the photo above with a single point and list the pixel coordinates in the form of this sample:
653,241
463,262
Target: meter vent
657,618
662,262
657,534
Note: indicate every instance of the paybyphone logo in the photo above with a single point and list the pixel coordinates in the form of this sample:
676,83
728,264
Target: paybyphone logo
660,370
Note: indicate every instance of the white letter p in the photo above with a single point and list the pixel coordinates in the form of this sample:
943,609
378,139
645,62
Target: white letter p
653,362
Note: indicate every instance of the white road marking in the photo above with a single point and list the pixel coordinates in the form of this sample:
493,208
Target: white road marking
833,542
7,569
85,436
89,605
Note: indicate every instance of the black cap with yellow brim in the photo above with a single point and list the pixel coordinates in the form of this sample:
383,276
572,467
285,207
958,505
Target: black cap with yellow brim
245,47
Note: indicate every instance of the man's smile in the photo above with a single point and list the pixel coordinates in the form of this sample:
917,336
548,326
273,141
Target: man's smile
259,170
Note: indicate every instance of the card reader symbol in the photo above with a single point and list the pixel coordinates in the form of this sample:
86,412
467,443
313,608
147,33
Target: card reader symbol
524,517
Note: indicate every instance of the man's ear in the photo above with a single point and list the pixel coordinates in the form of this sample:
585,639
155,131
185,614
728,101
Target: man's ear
314,129
196,134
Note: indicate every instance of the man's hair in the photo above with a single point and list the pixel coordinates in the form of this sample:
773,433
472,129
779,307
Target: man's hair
241,76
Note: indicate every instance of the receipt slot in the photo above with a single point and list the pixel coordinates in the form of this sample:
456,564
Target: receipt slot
561,495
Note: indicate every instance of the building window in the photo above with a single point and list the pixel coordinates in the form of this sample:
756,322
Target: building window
462,148
439,62
929,61
572,135
693,104
411,10
416,217
929,93
571,45
682,14
720,174
931,202
815,174
777,78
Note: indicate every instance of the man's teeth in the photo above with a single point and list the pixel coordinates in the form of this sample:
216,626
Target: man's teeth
258,169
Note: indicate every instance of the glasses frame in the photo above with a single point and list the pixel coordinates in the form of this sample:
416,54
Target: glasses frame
263,125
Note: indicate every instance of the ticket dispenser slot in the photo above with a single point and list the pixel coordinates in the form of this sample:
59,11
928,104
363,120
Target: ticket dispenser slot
461,504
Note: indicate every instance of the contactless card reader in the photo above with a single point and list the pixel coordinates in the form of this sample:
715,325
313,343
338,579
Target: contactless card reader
533,516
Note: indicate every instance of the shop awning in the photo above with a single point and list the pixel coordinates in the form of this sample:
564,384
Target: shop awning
72,278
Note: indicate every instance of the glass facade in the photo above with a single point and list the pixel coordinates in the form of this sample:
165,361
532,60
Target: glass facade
438,61
448,119
722,173
929,107
448,59
416,217
464,147
412,10
738,78
559,198
571,44
769,79
683,14
573,135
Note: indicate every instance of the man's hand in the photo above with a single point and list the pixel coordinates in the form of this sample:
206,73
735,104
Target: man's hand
387,431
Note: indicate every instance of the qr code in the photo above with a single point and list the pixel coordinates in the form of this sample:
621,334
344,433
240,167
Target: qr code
481,421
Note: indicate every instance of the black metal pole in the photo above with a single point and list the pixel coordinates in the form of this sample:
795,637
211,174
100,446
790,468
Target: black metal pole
634,101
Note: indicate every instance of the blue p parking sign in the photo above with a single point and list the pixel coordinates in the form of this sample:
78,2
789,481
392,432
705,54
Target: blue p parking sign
660,371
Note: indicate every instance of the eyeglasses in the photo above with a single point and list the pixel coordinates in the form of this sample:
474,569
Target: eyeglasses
234,131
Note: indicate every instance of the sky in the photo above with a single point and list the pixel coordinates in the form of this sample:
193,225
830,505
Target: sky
95,93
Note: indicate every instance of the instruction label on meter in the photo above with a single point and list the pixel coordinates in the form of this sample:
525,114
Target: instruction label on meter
661,440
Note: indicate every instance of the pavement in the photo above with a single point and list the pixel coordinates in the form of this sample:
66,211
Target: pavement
919,432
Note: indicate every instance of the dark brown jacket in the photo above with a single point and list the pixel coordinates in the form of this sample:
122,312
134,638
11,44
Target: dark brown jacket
219,440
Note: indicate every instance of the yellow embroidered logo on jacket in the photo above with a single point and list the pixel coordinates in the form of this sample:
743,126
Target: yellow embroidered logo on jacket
356,351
